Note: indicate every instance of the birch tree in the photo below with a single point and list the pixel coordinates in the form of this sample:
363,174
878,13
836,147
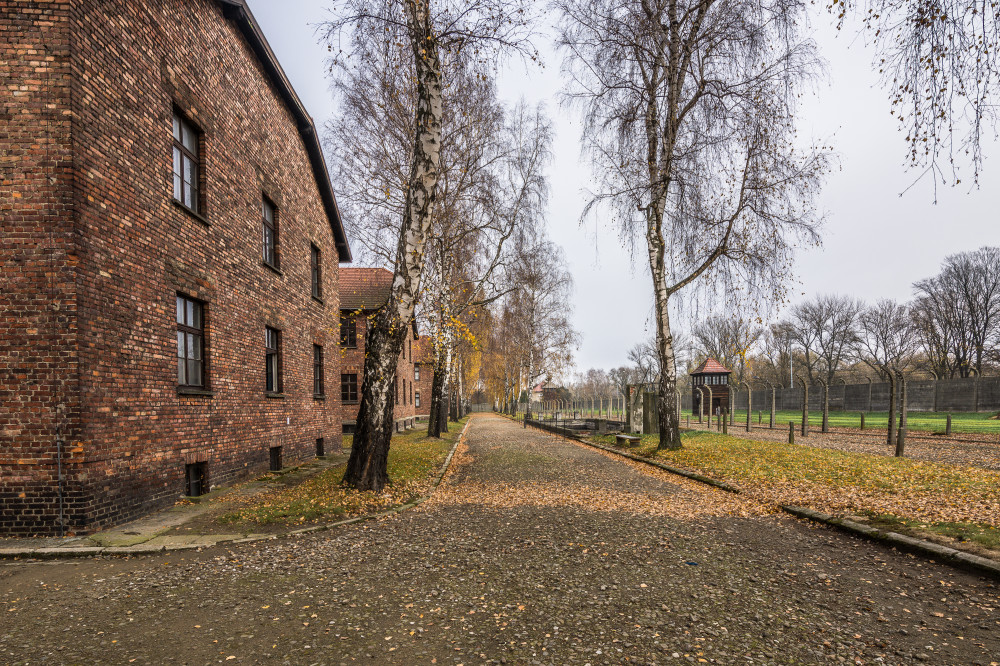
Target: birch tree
477,246
434,33
688,110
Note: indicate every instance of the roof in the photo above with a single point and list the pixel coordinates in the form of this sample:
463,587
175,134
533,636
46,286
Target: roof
239,12
364,288
423,351
710,367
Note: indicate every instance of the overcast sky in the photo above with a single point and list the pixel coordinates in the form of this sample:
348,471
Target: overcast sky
876,243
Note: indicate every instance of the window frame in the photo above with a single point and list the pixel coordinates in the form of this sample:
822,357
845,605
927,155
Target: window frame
416,372
319,380
272,225
190,330
316,271
347,385
275,387
349,339
177,146
416,399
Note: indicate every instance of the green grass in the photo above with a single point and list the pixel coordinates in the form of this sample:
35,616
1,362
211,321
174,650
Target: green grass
961,422
413,460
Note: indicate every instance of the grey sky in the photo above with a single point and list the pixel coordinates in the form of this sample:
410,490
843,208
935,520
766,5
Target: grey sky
876,243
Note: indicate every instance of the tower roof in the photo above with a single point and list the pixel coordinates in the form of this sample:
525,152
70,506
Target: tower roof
711,367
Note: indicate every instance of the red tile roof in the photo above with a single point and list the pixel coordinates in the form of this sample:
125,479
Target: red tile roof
364,288
710,367
423,351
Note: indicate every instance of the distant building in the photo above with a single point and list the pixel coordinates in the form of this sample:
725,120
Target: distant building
552,392
362,292
423,377
714,376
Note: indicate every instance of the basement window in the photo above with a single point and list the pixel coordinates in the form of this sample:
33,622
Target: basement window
196,475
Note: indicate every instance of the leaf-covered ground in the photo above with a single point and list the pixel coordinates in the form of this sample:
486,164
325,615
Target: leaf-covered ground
567,559
840,482
414,459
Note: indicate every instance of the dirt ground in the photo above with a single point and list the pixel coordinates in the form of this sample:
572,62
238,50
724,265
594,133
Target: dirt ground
534,551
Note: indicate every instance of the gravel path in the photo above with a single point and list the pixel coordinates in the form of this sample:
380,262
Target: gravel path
534,551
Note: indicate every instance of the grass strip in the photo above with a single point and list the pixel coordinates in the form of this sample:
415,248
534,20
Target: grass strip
414,459
949,500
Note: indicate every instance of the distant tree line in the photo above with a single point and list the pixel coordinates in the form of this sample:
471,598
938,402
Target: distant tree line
950,329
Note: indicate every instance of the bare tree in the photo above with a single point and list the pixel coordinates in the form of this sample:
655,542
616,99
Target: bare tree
728,339
825,329
688,119
645,362
530,335
958,311
435,33
886,339
940,60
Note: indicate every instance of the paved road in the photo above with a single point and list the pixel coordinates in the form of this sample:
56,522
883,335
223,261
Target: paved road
534,551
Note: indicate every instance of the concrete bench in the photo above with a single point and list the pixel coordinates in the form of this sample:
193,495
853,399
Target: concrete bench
626,440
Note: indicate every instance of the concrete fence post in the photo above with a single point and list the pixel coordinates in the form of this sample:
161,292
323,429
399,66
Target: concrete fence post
749,403
947,429
901,437
725,421
791,432
826,405
862,420
805,406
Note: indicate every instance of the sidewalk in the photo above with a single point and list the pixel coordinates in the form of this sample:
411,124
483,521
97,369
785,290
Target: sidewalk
188,525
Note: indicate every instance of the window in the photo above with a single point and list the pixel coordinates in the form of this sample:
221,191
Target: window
272,362
416,373
349,388
320,447
416,399
270,218
190,343
186,163
195,476
318,388
411,392
348,331
317,273
275,458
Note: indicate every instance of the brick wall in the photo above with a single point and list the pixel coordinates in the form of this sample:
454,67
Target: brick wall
132,63
38,325
353,361
424,356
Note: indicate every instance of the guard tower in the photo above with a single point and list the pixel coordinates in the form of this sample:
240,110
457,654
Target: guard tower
713,375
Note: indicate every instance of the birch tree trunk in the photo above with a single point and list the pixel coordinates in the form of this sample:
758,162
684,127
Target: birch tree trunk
367,466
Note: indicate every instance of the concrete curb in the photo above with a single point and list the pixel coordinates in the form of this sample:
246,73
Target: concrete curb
922,547
929,549
50,553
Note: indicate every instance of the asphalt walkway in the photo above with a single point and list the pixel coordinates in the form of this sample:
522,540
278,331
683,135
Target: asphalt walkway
535,550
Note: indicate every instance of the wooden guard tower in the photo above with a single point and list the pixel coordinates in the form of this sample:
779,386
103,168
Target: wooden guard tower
712,375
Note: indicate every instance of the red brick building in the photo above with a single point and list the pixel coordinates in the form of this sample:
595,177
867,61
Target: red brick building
423,377
363,291
169,260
